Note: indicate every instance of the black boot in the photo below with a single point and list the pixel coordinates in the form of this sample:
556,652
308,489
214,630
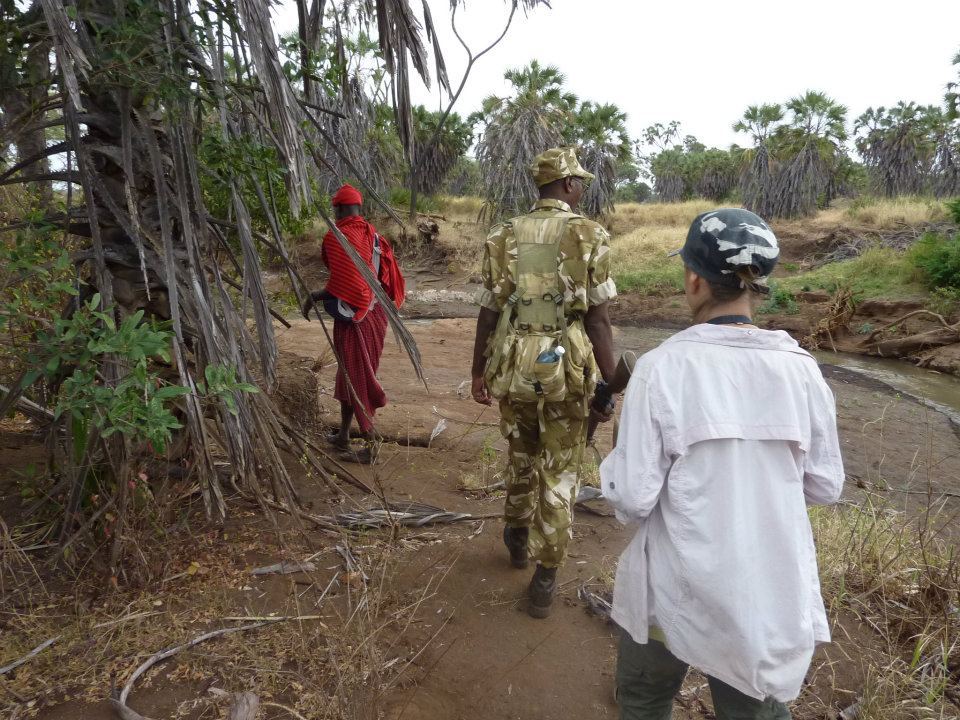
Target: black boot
515,538
542,588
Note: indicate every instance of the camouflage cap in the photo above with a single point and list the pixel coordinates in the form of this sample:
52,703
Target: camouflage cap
721,242
557,163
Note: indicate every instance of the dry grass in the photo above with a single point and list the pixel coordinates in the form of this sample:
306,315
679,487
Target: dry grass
337,666
641,237
897,573
883,213
463,208
630,216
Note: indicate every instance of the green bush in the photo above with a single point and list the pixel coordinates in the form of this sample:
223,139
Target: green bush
953,206
399,197
937,257
780,300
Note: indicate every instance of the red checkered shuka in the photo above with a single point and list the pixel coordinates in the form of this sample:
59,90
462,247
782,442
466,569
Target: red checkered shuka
359,346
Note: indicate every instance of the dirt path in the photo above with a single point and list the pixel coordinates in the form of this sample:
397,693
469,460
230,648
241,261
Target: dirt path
485,657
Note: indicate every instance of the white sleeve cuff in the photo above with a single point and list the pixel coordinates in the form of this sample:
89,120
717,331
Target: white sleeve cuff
604,292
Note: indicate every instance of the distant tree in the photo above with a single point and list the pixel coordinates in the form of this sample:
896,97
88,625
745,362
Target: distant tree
809,147
665,162
464,178
533,117
898,145
633,191
25,79
600,133
757,178
910,149
439,157
712,173
952,98
687,168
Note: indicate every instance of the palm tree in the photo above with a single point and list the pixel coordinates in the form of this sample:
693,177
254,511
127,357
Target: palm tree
952,97
600,132
517,128
436,159
899,145
756,180
809,147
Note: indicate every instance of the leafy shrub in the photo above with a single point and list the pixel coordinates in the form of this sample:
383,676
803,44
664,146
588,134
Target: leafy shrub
937,257
399,197
780,300
944,301
954,207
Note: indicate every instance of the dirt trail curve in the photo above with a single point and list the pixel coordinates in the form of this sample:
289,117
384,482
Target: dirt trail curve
487,658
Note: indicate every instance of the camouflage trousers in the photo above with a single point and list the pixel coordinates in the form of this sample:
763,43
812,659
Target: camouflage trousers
543,473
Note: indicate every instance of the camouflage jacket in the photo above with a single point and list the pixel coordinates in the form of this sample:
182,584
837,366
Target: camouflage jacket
584,262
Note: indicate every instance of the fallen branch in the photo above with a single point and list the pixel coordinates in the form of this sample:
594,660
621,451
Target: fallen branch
286,567
29,408
914,313
411,514
269,618
36,651
120,704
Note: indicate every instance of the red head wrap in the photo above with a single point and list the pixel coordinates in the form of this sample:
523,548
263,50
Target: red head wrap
347,195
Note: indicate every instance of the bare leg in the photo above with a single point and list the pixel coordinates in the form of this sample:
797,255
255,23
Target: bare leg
346,418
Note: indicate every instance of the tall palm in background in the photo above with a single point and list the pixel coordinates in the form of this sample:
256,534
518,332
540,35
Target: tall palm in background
810,147
516,128
899,146
600,133
756,184
438,158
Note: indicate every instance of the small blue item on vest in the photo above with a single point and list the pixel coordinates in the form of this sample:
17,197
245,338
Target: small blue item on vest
343,311
551,355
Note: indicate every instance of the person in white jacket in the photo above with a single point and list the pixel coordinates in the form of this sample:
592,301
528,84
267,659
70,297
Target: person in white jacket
727,433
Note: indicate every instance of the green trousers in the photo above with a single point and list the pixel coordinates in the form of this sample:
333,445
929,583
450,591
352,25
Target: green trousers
543,473
649,676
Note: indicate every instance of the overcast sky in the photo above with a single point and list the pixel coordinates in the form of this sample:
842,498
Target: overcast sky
703,61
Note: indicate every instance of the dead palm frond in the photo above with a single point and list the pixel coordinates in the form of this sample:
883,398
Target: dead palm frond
140,85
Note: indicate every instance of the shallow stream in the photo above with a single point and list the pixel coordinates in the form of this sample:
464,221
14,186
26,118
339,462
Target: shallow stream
936,390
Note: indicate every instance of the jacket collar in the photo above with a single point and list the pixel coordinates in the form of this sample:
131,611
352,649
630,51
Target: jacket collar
551,204
738,337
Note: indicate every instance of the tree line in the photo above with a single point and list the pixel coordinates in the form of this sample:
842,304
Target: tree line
801,158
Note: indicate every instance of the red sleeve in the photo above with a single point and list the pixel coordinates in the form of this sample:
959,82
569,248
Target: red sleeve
390,276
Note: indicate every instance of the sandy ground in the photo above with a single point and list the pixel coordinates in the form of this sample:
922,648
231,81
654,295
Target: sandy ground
491,660
472,650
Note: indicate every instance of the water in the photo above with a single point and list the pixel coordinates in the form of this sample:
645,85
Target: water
936,390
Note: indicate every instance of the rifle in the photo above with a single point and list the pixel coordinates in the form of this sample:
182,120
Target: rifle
617,384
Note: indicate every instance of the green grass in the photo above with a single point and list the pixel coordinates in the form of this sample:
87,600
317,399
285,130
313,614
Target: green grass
878,273
665,278
780,300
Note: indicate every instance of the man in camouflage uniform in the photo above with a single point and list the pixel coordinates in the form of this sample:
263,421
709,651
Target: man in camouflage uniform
546,439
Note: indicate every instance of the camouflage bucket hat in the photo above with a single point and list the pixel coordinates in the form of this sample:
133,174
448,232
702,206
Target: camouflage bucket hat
721,242
557,163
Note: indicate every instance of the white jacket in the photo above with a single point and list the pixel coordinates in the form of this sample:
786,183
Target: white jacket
726,434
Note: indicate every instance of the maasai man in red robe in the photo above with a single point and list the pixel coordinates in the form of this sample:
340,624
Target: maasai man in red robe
360,322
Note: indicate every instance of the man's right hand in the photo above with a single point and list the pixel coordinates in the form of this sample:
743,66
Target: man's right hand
314,298
480,391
